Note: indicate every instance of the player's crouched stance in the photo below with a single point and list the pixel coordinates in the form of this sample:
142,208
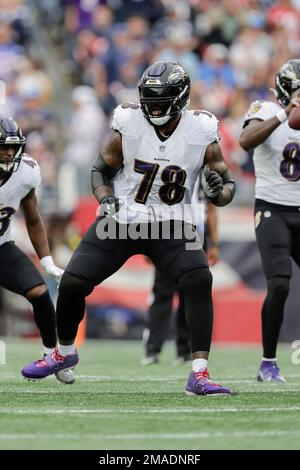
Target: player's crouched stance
151,162
19,177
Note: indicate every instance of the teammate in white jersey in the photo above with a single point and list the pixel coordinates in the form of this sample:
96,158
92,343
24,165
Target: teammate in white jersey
277,202
144,176
19,177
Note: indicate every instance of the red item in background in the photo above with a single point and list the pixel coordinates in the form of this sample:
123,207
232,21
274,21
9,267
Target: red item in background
85,213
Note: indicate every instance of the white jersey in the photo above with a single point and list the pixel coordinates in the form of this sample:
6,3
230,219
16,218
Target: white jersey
158,177
14,190
277,160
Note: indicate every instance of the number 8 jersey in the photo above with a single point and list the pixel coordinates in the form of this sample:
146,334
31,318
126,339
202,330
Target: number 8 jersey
277,160
158,177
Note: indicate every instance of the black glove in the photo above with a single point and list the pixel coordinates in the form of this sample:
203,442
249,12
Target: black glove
212,183
109,205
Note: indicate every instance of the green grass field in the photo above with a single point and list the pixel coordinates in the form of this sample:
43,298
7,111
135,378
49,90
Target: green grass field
118,404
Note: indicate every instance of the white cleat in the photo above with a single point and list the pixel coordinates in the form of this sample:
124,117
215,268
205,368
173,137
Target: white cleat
147,360
65,376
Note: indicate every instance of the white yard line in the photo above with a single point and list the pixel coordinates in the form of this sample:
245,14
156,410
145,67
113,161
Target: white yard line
147,410
171,379
69,390
147,436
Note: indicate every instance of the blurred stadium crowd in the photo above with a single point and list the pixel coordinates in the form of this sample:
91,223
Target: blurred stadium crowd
66,64
231,49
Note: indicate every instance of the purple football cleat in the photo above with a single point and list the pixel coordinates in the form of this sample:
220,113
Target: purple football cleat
269,372
199,383
51,364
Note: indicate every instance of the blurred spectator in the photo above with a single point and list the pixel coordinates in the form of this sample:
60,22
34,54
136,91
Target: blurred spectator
34,82
10,53
218,23
78,14
34,91
126,89
285,13
63,237
87,129
178,47
99,80
102,21
17,15
175,20
252,49
231,127
215,69
38,148
231,49
151,9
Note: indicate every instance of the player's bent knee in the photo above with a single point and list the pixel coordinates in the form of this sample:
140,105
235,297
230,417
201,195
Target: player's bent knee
279,286
35,292
199,278
74,286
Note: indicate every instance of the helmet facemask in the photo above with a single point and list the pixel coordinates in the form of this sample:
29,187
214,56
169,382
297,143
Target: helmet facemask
10,166
165,95
158,111
287,82
10,137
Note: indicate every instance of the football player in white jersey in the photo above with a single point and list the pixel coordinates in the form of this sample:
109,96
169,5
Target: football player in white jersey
19,176
143,179
277,202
